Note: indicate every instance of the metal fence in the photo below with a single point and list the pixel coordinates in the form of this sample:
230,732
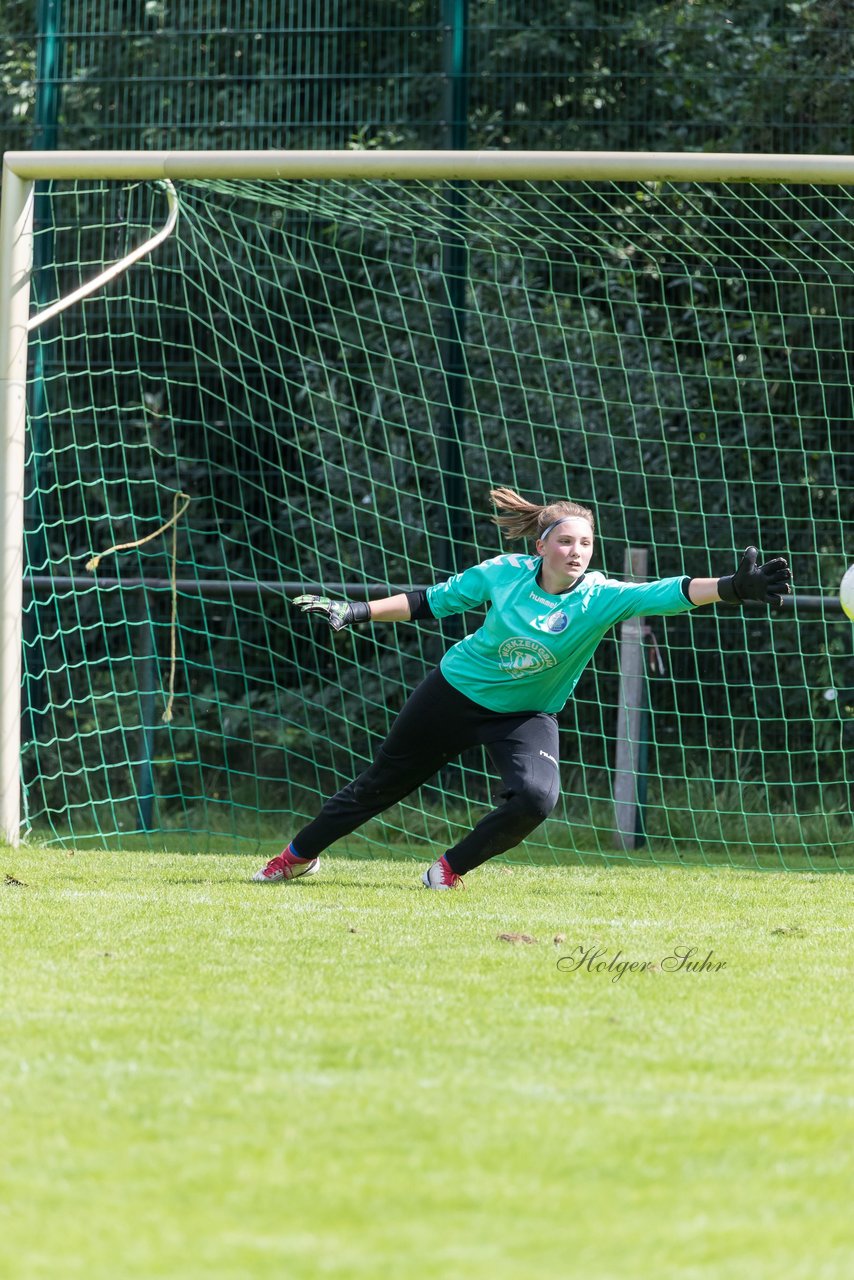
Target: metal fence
617,74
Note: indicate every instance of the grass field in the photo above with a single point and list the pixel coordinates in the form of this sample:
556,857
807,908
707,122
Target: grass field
353,1077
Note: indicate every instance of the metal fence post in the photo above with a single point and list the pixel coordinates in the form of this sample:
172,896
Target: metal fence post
632,720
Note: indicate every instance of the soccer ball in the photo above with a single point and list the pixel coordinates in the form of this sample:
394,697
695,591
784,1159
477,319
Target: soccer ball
846,593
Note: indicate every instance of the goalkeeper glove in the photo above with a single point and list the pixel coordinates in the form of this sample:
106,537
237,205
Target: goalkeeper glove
767,583
336,612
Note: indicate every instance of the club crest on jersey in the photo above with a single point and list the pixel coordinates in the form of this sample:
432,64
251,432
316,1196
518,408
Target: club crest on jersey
522,657
558,622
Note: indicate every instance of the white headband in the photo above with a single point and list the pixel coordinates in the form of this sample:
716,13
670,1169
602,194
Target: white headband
554,523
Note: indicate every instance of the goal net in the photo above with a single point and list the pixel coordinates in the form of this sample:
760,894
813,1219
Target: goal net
335,373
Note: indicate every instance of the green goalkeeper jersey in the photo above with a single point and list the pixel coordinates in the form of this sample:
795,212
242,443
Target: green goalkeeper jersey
533,646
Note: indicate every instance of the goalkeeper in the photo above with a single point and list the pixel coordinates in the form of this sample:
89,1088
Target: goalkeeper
503,686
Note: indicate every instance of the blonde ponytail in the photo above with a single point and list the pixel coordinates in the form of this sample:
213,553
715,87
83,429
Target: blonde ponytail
528,519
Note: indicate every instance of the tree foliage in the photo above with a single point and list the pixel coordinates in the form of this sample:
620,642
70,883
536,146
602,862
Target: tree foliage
624,74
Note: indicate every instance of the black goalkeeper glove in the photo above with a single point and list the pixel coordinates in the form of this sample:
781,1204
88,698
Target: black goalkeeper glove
338,613
767,583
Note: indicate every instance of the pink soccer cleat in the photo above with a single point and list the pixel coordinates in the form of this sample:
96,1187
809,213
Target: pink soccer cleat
286,866
440,876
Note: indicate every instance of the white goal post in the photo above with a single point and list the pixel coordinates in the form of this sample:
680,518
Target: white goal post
22,169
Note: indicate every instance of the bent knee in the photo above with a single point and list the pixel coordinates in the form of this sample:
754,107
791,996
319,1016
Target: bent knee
537,801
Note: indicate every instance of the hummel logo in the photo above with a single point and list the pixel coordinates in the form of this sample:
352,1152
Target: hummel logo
548,757
540,600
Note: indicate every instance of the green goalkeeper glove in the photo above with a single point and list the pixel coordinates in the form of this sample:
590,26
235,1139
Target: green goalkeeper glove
336,612
767,583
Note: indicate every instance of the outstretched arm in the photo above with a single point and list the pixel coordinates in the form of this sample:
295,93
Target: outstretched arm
340,613
463,591
704,590
390,609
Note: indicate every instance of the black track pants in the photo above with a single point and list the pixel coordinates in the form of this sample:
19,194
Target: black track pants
435,725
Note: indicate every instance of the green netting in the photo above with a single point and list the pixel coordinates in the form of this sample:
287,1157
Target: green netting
337,373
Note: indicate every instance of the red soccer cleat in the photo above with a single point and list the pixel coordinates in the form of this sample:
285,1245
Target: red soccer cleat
440,876
286,866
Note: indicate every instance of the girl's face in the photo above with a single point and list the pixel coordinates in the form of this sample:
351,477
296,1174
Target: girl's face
567,550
